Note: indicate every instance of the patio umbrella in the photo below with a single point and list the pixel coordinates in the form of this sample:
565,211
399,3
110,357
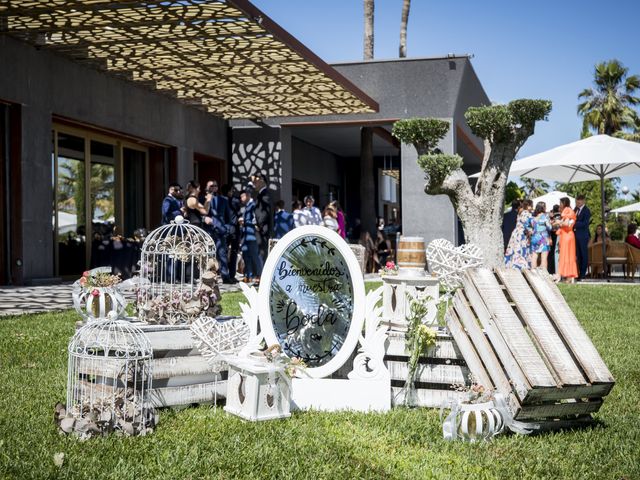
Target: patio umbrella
553,198
634,207
593,158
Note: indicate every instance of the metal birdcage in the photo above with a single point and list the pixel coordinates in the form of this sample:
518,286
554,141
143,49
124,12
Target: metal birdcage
109,380
179,275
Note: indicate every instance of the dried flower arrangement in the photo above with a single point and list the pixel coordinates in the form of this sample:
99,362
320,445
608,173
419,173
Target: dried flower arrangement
174,307
98,278
292,366
474,392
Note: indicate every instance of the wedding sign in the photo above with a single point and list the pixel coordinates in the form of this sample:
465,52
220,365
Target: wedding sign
313,292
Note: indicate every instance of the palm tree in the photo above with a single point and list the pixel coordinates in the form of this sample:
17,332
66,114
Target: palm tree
610,106
368,29
534,188
404,20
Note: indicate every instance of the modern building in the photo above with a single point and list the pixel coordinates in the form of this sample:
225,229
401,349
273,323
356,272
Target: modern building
102,104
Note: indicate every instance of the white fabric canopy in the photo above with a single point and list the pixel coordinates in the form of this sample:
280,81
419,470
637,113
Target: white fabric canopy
634,207
599,156
553,198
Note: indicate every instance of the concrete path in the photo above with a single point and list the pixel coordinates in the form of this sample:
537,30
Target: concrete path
50,298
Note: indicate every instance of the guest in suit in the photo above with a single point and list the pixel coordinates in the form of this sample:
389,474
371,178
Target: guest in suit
581,230
282,221
509,222
233,238
264,217
172,204
252,261
220,214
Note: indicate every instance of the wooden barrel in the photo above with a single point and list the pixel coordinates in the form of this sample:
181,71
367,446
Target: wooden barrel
411,253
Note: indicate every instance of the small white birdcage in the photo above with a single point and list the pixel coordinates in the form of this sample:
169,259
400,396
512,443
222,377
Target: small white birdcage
179,275
109,379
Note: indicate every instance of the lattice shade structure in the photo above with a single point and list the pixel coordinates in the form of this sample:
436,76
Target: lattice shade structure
224,56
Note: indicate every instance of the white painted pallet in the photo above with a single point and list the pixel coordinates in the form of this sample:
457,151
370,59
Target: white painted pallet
440,368
181,376
516,331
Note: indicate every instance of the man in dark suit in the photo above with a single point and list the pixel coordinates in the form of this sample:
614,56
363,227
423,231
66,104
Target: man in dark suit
282,221
509,222
581,230
172,204
264,217
233,239
219,228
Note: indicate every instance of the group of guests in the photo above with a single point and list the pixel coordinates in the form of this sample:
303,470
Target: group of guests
243,222
556,241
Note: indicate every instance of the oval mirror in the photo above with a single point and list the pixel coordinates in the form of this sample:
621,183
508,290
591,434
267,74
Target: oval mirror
312,298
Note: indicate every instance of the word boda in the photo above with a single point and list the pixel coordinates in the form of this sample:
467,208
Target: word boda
295,319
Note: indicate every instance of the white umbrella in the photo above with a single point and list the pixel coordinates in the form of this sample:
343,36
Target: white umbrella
634,207
594,158
553,198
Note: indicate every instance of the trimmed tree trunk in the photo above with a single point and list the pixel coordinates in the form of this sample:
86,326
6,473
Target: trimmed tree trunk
404,20
368,29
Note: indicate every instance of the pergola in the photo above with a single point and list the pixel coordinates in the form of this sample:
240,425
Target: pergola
224,56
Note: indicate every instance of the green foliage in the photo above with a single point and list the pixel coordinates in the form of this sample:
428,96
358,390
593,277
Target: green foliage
610,106
503,123
437,166
533,187
205,442
512,192
423,133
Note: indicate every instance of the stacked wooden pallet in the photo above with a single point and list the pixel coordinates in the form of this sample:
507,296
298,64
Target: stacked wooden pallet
181,375
519,336
439,370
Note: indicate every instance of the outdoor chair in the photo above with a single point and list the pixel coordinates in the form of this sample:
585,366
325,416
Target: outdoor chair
595,259
617,255
633,256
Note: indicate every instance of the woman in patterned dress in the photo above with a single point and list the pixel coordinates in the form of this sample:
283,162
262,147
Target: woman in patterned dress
518,254
540,240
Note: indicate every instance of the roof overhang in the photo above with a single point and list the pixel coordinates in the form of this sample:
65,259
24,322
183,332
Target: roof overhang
224,56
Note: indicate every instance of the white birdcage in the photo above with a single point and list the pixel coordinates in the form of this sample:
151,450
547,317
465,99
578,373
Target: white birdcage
179,275
109,379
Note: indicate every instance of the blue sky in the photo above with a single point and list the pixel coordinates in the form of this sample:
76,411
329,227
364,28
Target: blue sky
535,49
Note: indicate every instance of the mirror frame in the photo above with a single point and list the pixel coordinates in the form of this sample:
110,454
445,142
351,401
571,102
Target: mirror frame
357,281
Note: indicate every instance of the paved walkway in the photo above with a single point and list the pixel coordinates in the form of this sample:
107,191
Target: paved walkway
50,298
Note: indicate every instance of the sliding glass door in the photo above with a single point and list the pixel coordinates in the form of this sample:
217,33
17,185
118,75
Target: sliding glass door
99,186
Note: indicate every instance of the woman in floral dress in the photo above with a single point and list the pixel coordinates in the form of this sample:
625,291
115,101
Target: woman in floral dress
540,239
518,254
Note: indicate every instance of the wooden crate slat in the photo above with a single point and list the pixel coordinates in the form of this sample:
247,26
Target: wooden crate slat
171,340
511,328
449,374
431,398
471,356
558,410
566,393
516,376
540,326
179,366
565,320
186,395
563,424
444,348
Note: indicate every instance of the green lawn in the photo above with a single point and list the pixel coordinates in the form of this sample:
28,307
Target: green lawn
205,442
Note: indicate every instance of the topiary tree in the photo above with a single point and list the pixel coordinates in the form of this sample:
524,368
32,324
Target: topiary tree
504,129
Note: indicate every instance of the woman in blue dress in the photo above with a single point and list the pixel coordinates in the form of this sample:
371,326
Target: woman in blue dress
540,239
518,254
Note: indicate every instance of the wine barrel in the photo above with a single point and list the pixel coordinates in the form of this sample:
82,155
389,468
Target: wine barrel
411,253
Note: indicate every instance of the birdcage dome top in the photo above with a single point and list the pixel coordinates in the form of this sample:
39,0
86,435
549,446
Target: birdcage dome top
179,237
111,338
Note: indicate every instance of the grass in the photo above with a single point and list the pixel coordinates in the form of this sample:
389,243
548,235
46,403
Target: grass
204,442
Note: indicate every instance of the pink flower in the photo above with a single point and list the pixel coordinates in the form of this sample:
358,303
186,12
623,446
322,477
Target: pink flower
95,292
83,281
390,265
85,273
